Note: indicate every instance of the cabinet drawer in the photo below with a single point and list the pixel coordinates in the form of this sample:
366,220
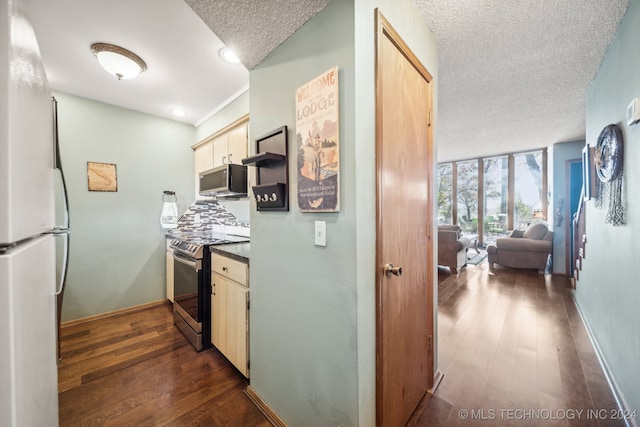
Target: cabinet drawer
234,270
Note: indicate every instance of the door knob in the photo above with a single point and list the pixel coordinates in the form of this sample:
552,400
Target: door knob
389,269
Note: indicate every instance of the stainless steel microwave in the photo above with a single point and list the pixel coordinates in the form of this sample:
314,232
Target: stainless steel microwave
228,180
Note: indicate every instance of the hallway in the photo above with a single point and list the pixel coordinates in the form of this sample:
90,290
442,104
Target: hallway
514,351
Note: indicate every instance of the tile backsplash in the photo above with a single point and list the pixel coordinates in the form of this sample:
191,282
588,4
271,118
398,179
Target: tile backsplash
208,215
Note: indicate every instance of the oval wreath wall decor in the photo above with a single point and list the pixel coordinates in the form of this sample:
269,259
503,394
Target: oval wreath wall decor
608,160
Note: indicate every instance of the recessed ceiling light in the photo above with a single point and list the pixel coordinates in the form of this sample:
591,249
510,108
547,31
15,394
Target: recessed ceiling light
228,55
118,61
178,112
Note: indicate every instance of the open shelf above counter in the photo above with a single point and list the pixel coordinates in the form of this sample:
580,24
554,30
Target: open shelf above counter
271,191
264,159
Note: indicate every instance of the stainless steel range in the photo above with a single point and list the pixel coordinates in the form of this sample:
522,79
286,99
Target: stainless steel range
192,283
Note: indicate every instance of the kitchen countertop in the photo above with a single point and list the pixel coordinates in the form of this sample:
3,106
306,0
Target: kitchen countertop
237,251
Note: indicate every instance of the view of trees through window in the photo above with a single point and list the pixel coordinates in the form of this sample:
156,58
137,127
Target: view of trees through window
468,196
445,193
528,187
526,190
495,197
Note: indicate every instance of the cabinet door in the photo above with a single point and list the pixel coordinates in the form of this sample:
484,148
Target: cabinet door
204,157
219,309
220,151
203,161
237,326
237,145
229,320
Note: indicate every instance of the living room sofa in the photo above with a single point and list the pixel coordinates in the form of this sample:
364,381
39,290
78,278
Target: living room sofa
523,249
452,247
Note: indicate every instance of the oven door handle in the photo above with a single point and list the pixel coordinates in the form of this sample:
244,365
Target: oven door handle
196,265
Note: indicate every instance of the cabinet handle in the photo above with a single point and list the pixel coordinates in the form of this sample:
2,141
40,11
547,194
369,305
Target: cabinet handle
224,160
230,154
214,289
225,269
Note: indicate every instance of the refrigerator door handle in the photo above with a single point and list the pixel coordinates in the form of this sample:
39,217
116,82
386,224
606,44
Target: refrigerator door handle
62,232
57,163
65,265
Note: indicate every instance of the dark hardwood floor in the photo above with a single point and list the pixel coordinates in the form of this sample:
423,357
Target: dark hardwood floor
514,351
511,346
138,370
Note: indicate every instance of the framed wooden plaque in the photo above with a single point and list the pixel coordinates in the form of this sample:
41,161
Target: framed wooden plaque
102,177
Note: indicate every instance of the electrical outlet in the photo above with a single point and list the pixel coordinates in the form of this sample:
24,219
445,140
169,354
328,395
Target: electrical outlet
320,233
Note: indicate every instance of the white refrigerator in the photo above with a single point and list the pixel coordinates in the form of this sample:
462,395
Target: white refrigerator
28,233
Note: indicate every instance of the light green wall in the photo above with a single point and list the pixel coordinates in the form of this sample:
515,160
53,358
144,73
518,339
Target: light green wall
313,309
608,292
560,153
117,257
303,298
227,115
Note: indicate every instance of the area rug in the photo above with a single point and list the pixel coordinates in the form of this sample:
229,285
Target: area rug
474,258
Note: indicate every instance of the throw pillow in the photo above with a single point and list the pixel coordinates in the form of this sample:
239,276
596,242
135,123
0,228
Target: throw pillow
536,231
517,233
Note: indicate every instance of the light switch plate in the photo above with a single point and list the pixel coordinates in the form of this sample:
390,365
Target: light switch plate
320,233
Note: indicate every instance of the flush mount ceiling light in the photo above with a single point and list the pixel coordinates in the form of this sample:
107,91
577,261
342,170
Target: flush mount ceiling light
228,55
178,112
118,61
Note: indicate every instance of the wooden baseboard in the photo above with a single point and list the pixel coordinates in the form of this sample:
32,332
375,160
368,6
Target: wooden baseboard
115,313
273,418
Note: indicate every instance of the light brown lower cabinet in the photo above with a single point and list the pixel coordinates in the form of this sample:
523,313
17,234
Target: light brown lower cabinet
230,312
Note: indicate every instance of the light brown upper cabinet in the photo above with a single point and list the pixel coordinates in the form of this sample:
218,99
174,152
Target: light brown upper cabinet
228,145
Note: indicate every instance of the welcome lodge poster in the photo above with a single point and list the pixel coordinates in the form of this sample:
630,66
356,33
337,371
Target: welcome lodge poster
317,139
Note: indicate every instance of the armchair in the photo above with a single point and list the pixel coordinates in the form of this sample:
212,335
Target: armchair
452,247
523,249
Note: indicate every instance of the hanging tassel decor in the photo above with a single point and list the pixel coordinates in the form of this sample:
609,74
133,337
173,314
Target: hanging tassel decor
608,159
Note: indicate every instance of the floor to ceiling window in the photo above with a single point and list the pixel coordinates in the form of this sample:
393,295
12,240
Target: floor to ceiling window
488,197
528,188
445,193
467,195
495,197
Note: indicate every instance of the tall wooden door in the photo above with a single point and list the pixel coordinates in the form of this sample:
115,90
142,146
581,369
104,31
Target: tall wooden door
404,145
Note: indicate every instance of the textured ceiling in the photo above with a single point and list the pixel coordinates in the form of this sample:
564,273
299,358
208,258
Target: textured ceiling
253,28
512,75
